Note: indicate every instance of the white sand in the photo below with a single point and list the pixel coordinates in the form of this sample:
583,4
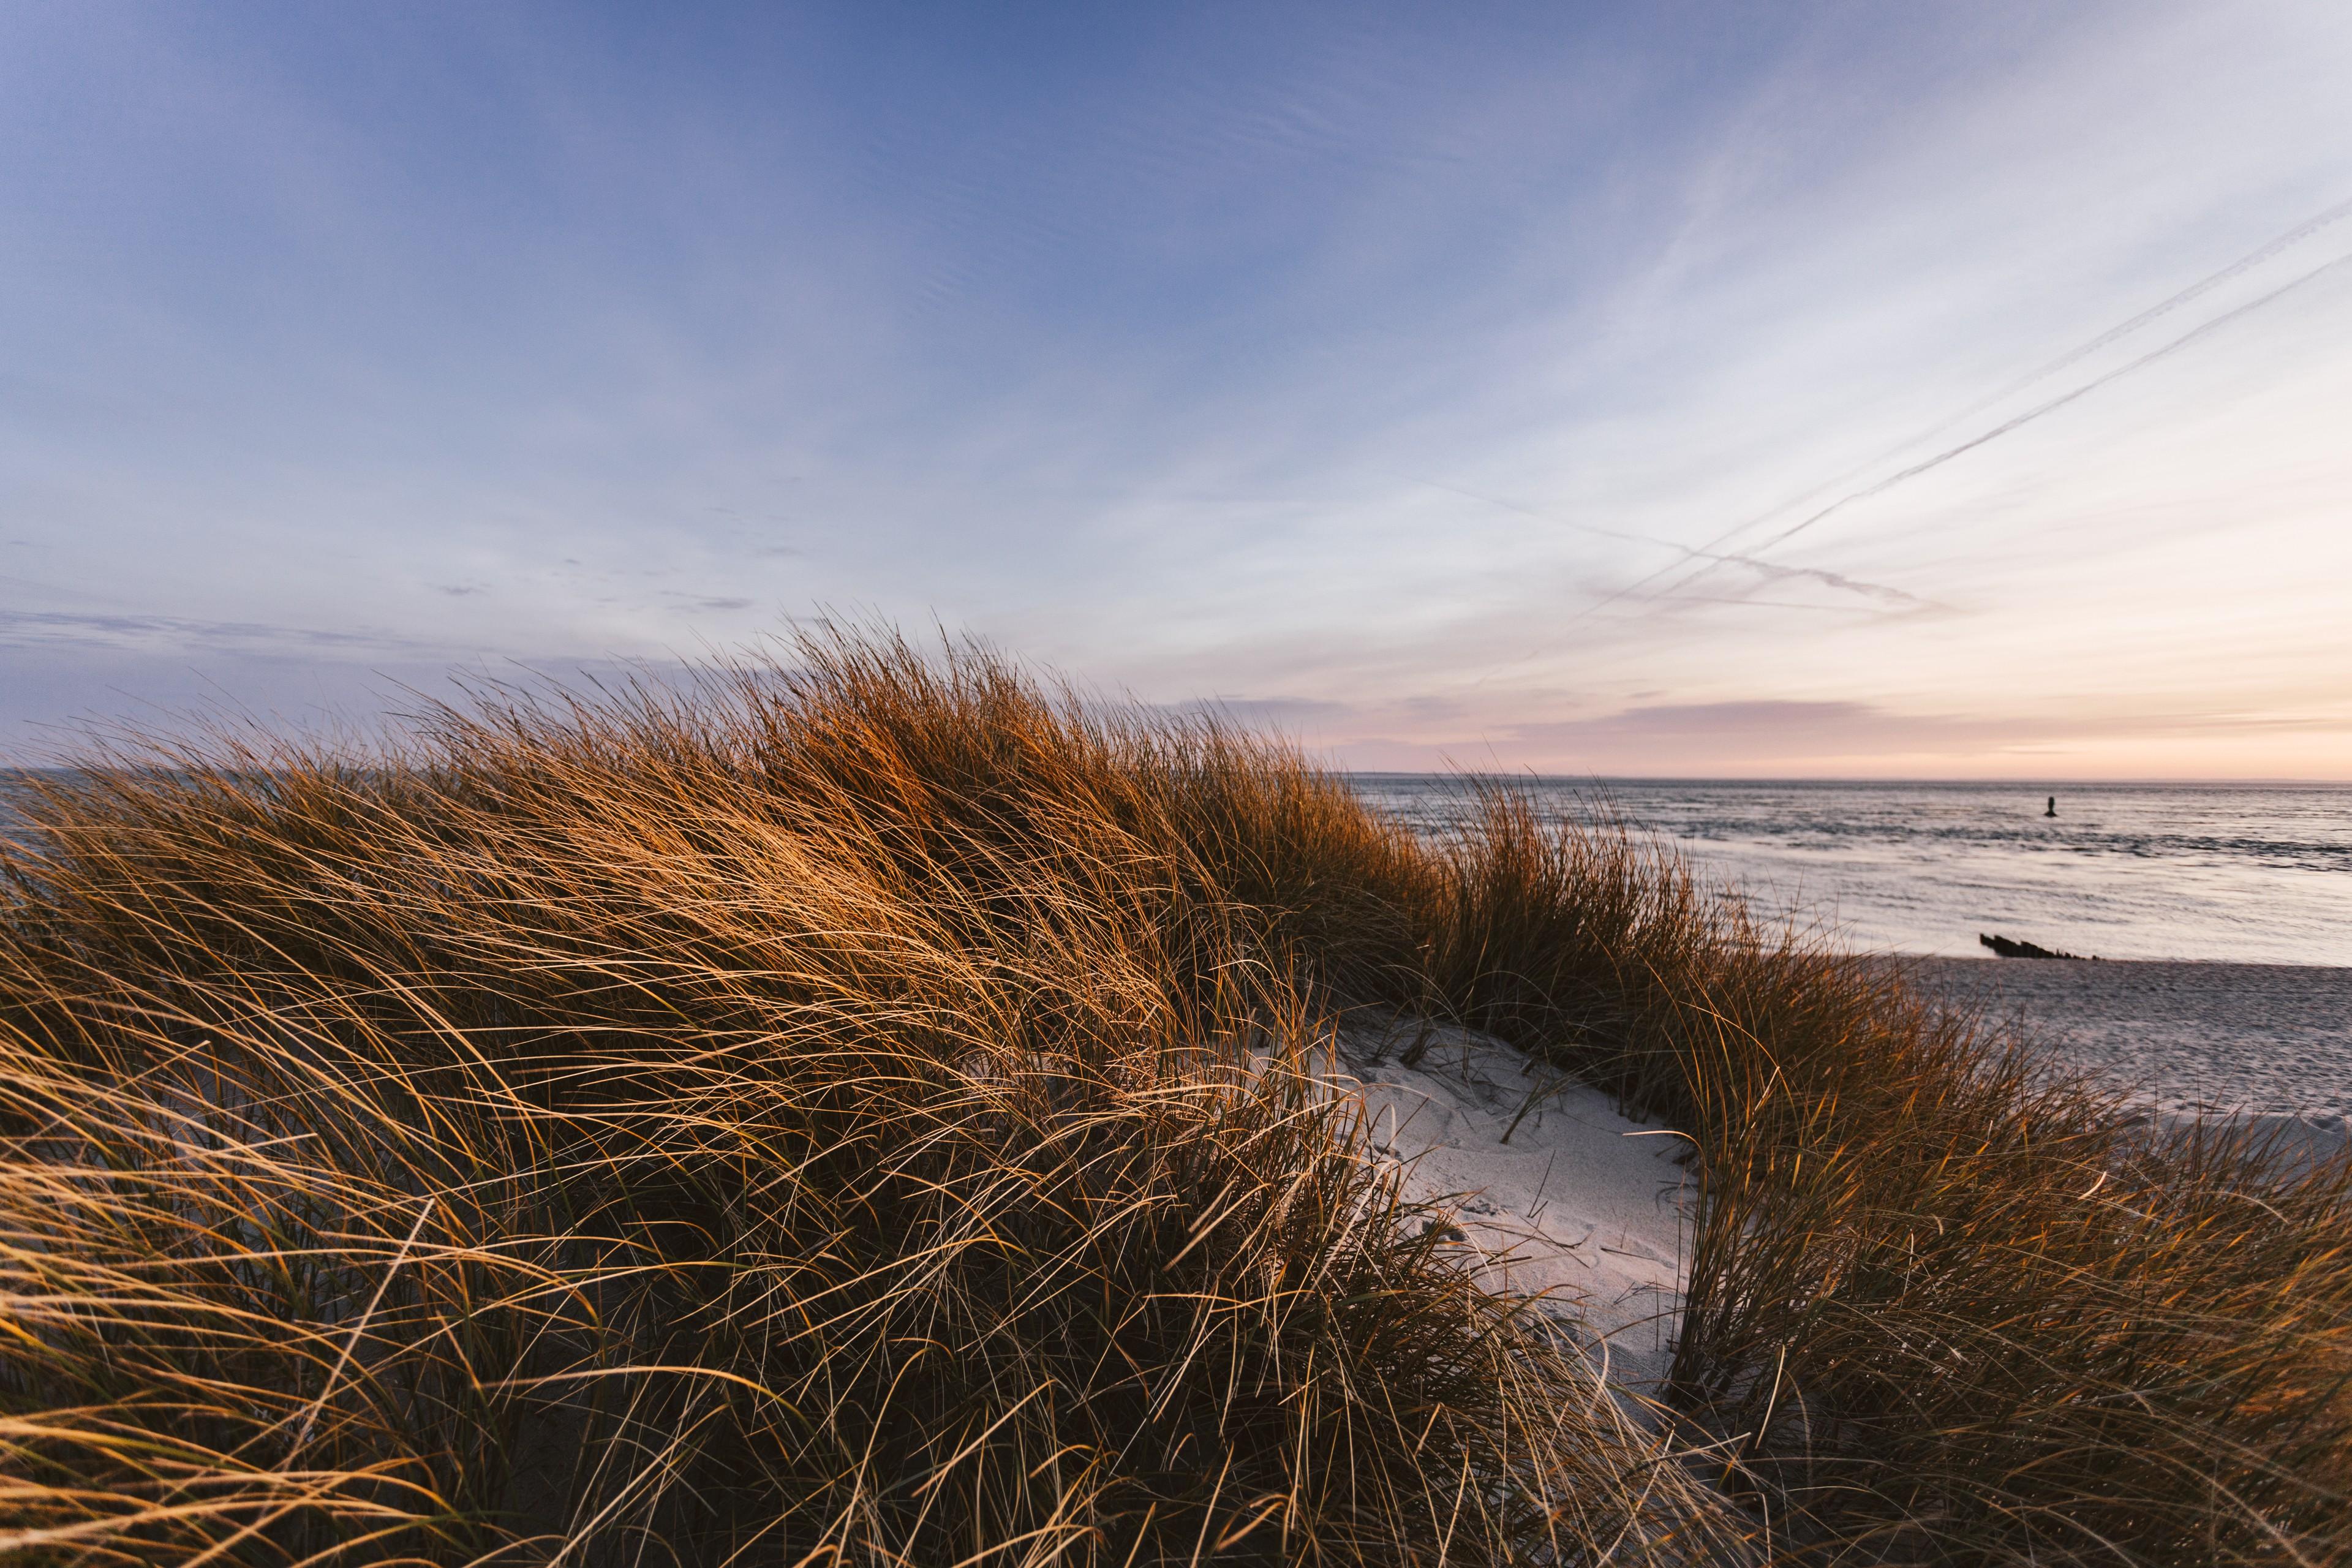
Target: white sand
1580,1207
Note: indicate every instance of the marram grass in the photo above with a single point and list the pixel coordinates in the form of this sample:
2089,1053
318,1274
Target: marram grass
864,1111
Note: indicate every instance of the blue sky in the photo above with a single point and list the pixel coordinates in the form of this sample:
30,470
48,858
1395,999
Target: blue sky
1535,386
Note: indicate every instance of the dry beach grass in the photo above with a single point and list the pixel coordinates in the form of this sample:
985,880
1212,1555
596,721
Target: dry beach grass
865,1112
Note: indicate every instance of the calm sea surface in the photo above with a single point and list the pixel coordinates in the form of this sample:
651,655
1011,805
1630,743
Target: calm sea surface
2256,874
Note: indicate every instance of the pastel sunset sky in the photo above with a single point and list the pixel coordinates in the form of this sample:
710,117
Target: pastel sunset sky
1933,390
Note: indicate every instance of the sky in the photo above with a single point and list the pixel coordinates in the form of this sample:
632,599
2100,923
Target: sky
1937,390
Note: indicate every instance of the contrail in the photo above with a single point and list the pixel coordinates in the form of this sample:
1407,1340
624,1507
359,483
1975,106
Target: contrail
2030,415
2244,264
1713,558
2252,258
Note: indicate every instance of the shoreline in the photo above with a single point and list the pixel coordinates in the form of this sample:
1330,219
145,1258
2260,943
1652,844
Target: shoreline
1987,961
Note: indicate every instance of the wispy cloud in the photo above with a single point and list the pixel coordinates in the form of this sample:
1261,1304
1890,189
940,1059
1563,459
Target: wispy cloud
176,632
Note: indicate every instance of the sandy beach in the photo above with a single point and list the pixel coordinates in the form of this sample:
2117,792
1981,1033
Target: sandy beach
2265,1038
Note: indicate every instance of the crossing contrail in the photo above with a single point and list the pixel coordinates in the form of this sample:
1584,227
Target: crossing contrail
2030,415
2264,252
1769,569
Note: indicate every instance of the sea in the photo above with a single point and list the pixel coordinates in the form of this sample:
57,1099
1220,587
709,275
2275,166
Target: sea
2250,875
2223,913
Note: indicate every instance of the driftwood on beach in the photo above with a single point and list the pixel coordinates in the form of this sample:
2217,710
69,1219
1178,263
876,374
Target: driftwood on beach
2005,948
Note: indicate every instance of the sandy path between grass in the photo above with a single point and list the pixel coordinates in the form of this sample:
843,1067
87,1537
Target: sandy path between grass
1557,1193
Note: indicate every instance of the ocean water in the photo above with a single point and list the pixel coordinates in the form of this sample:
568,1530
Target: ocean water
2249,875
2238,901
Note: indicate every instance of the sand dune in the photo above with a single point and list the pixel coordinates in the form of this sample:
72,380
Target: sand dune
1557,1192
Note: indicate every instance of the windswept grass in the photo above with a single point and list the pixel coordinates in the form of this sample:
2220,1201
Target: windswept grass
865,1113
858,1116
